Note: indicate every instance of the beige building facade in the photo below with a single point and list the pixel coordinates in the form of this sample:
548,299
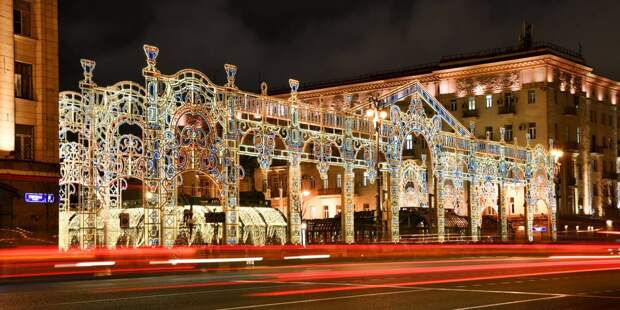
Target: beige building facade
533,89
28,113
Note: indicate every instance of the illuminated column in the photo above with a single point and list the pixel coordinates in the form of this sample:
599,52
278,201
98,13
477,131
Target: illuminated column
87,205
152,187
394,207
230,194
586,145
474,212
294,170
472,203
503,211
528,209
440,214
348,209
7,79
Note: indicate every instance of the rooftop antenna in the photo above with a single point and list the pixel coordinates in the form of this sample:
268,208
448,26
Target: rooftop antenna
526,36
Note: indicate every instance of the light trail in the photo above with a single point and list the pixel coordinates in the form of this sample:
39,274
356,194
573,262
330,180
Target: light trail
585,257
86,264
317,256
207,260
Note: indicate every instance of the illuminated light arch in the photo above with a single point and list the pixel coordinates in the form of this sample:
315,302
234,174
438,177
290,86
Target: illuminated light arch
280,129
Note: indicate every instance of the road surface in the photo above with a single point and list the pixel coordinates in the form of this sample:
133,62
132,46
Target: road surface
573,282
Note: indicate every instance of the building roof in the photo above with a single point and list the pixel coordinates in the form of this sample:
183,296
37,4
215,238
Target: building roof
449,61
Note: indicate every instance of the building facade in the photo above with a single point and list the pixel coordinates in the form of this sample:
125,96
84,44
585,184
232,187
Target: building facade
29,114
533,88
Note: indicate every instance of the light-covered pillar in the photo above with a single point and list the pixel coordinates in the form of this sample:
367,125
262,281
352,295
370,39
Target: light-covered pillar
502,208
348,208
473,210
394,205
440,214
230,193
152,191
7,78
529,212
294,171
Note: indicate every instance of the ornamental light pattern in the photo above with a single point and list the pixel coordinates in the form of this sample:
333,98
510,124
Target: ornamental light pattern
181,124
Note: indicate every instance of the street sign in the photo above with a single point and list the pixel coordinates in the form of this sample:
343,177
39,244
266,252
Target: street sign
39,197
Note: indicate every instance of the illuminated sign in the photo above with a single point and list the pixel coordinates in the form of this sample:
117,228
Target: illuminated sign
539,229
39,197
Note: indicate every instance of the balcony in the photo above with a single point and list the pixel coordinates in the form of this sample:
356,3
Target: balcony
570,110
506,109
570,146
329,191
596,149
610,175
470,113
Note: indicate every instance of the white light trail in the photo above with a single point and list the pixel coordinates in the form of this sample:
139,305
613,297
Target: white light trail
318,256
207,260
86,264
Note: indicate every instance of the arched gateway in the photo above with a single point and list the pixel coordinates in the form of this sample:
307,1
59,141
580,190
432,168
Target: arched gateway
181,133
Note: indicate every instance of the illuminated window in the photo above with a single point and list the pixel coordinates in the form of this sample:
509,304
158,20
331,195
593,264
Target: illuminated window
409,142
578,135
471,103
325,212
489,101
24,141
23,80
339,181
531,129
365,180
531,96
325,183
21,17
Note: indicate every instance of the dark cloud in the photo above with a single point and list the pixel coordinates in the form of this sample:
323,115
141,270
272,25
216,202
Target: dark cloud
317,40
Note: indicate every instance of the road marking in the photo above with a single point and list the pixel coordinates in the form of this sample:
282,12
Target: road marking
512,302
305,301
162,295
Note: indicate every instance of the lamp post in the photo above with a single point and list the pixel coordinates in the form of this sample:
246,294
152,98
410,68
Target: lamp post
374,115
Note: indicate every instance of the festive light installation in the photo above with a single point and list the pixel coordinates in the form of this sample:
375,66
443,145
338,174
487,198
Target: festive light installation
183,123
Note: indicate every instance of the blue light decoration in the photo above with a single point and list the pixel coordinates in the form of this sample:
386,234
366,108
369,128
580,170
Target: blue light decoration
39,197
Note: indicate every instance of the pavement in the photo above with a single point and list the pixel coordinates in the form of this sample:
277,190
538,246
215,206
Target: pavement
506,282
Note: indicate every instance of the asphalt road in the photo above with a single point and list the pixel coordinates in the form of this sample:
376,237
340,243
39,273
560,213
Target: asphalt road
469,283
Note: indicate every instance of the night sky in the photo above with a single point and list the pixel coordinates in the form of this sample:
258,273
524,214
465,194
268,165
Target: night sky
317,40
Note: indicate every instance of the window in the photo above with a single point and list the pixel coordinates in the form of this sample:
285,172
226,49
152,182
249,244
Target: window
21,17
508,99
325,183
453,105
512,205
593,116
488,131
531,129
23,80
409,142
366,207
24,141
325,212
531,96
339,181
594,164
578,135
471,104
489,101
365,180
508,132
